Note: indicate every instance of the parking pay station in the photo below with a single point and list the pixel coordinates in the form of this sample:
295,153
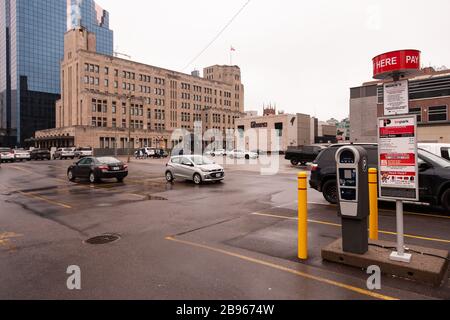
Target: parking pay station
353,198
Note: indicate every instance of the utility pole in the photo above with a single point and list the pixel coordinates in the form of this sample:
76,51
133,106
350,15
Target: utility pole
129,126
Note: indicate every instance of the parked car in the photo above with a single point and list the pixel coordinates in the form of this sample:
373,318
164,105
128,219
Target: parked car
303,155
64,153
84,152
434,175
162,153
240,154
40,154
196,168
7,155
96,169
439,149
216,153
21,155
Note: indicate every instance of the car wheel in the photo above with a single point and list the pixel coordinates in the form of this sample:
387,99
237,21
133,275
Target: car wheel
330,192
445,200
294,162
70,175
247,157
120,180
197,179
92,178
169,176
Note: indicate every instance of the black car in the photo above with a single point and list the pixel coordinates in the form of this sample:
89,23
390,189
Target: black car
40,154
434,175
96,169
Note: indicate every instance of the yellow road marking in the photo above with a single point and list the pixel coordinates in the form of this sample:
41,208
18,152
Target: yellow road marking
338,225
286,269
31,195
5,238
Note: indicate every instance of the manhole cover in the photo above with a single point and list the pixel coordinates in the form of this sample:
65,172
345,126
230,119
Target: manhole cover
103,239
156,198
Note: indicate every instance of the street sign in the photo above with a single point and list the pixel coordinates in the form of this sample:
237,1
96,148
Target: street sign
397,156
405,62
396,98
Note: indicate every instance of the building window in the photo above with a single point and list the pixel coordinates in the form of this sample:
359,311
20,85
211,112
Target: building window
418,112
94,122
279,129
106,83
124,123
106,70
436,114
114,107
114,123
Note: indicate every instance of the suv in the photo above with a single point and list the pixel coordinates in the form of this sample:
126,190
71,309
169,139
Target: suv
434,175
7,155
40,154
64,153
83,152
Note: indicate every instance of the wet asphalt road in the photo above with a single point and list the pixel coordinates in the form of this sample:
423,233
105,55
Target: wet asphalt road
233,240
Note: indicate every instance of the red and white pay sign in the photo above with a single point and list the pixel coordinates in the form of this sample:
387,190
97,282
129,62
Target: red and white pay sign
398,158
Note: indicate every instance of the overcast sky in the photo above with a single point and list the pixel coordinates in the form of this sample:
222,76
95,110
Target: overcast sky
302,55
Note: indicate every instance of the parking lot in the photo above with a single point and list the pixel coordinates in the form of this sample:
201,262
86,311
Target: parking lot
231,240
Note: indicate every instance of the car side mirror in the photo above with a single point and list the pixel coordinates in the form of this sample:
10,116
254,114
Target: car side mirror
425,166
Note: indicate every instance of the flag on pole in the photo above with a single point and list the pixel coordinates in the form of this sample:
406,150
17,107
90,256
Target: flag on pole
232,48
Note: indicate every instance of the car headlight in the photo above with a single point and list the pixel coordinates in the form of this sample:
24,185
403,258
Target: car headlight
205,170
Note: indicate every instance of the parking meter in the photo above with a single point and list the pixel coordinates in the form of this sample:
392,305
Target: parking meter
353,198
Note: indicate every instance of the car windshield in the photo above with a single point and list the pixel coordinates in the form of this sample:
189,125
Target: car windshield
85,149
434,159
108,160
67,150
200,161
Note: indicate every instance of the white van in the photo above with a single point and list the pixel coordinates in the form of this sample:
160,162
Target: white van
439,149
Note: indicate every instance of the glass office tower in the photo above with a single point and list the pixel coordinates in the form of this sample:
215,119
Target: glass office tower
31,48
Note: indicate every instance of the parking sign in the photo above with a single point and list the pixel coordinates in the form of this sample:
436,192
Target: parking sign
397,158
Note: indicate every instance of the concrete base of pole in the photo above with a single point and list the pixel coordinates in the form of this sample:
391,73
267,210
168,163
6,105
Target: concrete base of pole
406,257
430,268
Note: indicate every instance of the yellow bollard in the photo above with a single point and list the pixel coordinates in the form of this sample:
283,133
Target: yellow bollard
373,199
302,216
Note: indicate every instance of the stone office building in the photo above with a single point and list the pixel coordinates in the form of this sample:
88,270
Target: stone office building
105,97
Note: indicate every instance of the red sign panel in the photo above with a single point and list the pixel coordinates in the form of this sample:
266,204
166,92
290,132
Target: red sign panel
402,61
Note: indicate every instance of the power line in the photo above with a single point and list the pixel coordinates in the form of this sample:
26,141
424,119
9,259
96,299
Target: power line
218,35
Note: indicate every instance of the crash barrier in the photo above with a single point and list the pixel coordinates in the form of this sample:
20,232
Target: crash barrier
302,216
373,199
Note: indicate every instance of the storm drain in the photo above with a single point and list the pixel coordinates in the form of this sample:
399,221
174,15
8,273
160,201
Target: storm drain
103,239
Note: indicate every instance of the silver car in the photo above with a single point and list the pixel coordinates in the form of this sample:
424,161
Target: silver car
196,168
